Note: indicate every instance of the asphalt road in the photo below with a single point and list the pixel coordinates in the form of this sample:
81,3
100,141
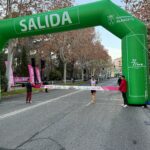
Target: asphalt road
65,120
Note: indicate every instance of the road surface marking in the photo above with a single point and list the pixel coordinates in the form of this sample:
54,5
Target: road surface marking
35,106
88,104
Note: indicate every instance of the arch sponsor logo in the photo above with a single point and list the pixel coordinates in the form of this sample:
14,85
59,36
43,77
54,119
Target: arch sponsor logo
111,19
118,19
136,64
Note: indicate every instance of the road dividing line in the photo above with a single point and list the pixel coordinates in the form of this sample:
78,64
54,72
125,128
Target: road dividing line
88,104
35,106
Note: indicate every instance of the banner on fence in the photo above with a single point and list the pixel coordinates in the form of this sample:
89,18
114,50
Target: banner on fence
31,73
38,74
21,79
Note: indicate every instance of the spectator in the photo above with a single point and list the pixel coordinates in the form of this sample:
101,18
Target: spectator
29,92
119,81
46,83
123,89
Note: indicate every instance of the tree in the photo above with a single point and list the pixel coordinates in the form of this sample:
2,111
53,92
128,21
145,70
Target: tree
3,58
140,8
74,48
59,40
81,45
3,79
89,53
14,8
21,62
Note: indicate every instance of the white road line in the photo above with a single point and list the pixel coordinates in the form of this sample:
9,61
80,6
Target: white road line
35,106
88,104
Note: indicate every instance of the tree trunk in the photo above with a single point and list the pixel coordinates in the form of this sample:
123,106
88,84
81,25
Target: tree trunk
93,71
65,72
82,71
9,65
11,45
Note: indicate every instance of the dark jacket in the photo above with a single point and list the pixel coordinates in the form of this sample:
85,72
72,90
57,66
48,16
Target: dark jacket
119,81
29,87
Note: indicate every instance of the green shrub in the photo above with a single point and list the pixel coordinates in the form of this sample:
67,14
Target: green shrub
4,83
55,75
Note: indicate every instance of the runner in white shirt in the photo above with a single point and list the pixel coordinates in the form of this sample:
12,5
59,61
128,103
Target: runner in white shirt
93,92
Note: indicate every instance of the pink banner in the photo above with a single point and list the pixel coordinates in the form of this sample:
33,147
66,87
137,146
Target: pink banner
38,74
110,88
21,79
11,74
31,73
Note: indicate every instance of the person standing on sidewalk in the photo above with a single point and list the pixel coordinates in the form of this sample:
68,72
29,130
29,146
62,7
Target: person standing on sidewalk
123,89
29,92
46,83
93,92
119,81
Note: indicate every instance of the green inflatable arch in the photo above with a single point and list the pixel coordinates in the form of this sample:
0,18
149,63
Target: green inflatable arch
103,12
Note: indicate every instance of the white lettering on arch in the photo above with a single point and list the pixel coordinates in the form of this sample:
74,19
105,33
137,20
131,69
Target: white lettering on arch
22,24
54,20
39,23
32,24
66,18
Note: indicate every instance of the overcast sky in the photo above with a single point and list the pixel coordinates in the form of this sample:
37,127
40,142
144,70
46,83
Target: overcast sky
110,41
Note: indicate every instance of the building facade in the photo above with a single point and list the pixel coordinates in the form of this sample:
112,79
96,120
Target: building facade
117,67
